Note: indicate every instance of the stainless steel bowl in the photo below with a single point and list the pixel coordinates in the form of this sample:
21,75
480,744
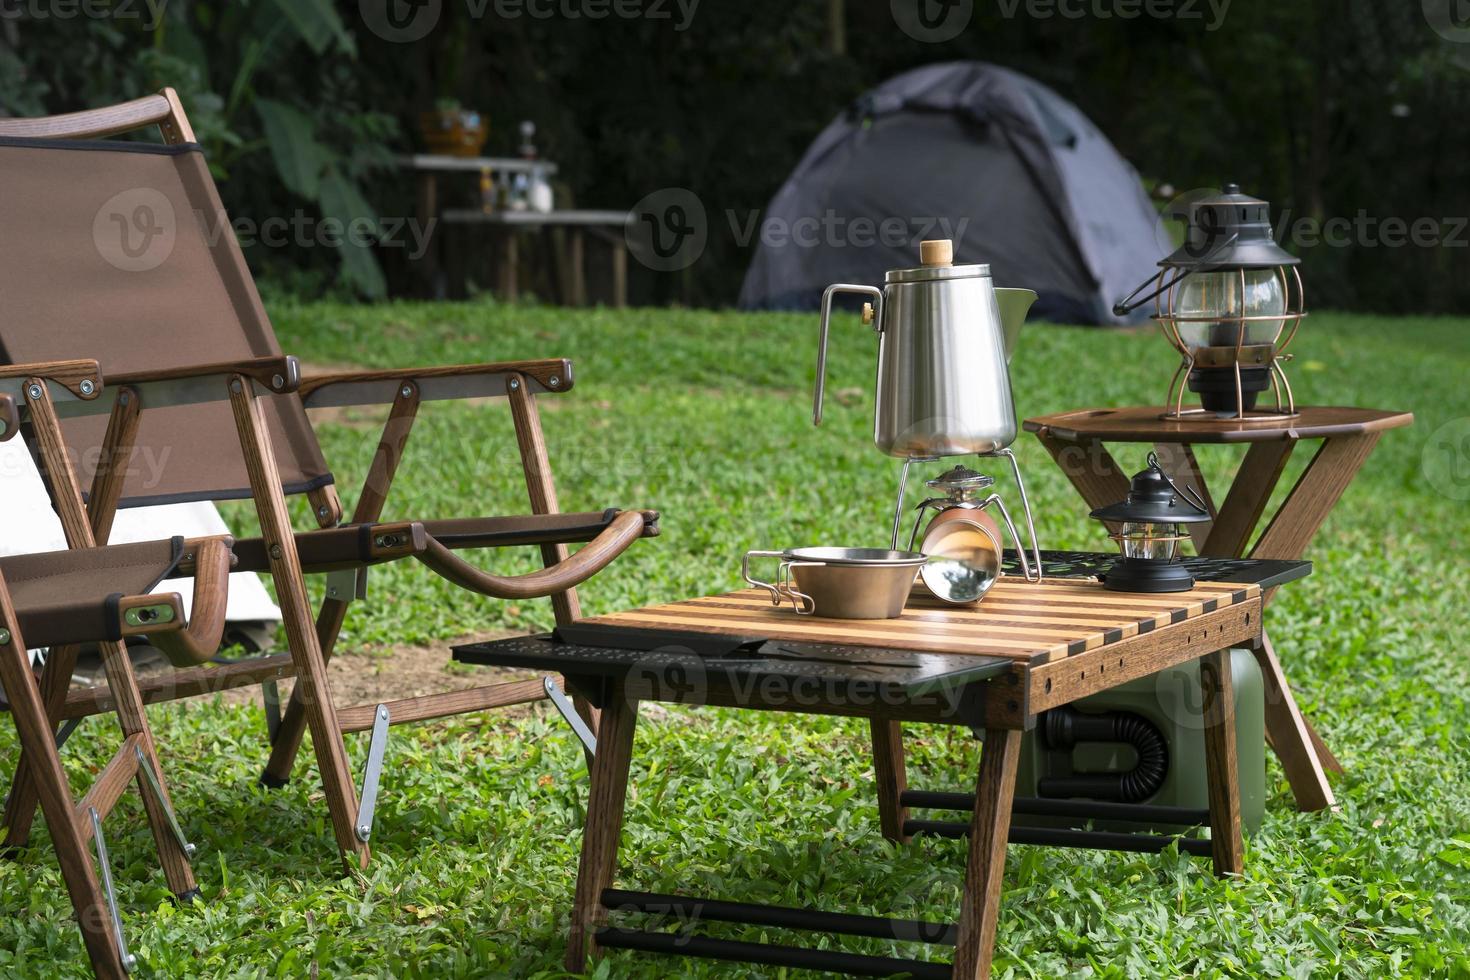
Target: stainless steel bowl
841,583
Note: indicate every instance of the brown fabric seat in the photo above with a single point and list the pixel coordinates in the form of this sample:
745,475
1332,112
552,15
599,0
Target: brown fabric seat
63,596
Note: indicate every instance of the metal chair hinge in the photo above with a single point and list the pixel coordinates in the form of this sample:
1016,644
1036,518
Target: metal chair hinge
347,584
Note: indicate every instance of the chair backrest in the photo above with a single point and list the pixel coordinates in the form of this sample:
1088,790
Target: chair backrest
121,251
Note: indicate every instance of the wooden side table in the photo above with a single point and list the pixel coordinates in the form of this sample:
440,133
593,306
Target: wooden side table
994,668
1077,441
606,226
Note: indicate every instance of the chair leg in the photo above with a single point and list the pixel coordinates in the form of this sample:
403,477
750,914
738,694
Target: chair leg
37,738
311,689
286,742
171,854
20,805
541,487
984,868
286,739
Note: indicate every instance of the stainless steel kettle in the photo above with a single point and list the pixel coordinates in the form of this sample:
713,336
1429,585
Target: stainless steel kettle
945,336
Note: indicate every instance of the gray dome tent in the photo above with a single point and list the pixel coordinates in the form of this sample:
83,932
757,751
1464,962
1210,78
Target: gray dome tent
1010,170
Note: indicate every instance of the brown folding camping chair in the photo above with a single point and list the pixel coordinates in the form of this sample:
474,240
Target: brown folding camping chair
123,250
103,596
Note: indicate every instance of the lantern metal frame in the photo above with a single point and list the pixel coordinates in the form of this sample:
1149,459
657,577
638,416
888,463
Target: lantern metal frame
1269,355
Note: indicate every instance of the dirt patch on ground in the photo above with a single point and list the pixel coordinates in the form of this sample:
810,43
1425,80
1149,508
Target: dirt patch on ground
357,677
399,672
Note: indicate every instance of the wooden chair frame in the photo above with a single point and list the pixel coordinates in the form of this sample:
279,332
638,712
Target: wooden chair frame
310,642
39,777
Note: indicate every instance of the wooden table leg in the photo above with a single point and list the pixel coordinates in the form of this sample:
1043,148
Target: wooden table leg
1247,497
1317,491
1090,467
576,266
1324,754
890,776
619,259
1221,774
508,265
604,825
1315,494
989,826
1291,736
428,217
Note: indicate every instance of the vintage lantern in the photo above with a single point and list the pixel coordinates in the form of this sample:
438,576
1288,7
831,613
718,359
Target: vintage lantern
1230,300
1151,524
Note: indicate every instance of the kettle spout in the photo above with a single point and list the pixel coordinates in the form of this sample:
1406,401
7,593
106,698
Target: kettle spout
1014,305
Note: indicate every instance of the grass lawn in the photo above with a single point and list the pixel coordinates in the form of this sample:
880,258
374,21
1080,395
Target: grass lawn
706,416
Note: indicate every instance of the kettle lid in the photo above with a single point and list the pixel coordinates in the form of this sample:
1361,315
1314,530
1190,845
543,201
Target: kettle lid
936,258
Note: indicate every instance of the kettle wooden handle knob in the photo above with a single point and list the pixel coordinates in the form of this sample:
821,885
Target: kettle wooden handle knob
867,314
936,252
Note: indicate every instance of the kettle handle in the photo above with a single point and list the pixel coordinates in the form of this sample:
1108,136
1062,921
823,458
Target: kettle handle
827,294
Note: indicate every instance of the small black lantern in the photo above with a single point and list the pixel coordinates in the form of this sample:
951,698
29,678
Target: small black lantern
1229,300
1151,524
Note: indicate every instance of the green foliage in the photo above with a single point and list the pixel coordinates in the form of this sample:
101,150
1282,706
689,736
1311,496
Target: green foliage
706,417
267,86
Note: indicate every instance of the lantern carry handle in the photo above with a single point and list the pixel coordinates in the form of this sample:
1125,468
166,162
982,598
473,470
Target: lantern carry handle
1187,492
1132,301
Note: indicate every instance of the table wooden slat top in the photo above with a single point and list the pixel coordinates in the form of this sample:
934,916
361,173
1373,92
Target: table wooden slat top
1147,424
1029,622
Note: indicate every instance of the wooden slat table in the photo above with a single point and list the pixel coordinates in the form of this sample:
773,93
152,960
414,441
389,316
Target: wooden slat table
1078,440
992,667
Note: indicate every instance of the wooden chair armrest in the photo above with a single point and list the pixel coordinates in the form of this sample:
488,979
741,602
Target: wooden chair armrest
80,377
93,123
626,528
199,641
452,381
280,374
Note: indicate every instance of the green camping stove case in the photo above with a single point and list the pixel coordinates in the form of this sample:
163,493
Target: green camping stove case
1108,747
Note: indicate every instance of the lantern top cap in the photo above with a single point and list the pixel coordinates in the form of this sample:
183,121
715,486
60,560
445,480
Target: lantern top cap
1228,230
1153,498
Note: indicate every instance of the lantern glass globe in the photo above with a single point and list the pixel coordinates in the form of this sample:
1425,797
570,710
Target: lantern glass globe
1155,542
1211,303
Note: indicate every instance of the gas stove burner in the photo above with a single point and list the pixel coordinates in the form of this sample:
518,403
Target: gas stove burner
960,478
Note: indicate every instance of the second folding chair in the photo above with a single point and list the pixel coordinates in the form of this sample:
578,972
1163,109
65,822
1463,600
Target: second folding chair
88,595
122,251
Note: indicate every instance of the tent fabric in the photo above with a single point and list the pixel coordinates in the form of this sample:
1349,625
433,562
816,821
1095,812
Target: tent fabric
108,246
1010,170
